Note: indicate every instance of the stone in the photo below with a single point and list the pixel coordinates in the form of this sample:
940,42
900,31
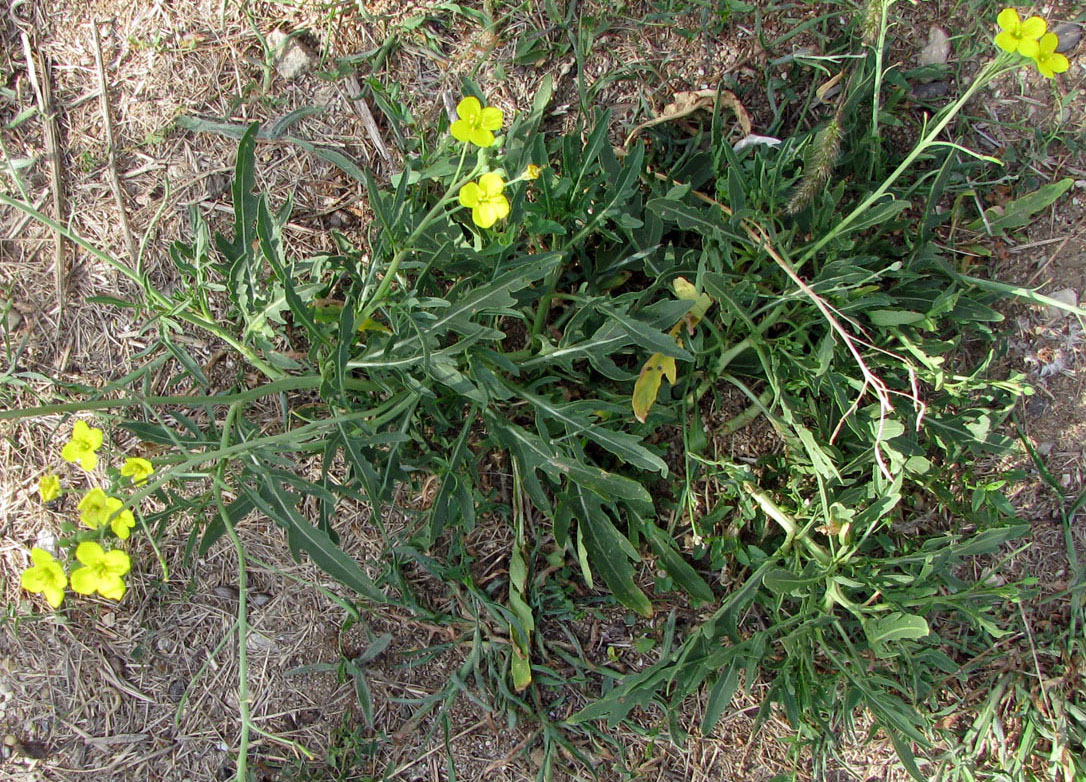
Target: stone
1067,296
1069,35
292,57
937,49
931,89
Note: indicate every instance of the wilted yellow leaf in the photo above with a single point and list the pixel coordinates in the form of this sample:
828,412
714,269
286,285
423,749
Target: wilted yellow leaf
647,386
684,289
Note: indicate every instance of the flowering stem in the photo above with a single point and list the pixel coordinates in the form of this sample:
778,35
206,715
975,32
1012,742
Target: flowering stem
292,383
243,621
982,78
408,245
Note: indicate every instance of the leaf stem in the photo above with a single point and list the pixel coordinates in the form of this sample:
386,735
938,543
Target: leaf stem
408,245
982,78
292,383
243,622
155,299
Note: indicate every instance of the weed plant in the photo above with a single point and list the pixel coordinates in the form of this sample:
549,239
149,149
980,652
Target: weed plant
575,312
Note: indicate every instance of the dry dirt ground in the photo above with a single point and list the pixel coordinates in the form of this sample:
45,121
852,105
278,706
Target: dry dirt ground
146,689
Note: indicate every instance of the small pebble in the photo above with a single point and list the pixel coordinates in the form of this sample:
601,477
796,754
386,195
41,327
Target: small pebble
932,89
937,49
228,592
1069,35
293,57
259,599
177,690
1067,296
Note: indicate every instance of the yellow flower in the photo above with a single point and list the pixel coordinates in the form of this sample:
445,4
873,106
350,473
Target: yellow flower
121,523
1049,62
138,469
1019,36
94,508
49,488
476,123
81,448
102,571
45,577
485,200
532,171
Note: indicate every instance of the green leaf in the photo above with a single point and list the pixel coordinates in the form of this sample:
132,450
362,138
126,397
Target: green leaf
1019,213
784,582
896,626
494,297
646,336
608,553
598,349
627,447
534,455
705,221
720,696
271,245
894,317
279,505
677,567
876,215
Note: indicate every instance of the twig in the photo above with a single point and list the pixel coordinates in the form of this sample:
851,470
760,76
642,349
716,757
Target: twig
111,150
43,91
354,92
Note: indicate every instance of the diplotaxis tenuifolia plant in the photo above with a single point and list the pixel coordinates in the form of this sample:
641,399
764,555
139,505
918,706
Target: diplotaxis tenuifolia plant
544,329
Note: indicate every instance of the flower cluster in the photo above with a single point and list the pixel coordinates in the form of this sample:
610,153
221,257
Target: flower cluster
485,198
1030,39
101,570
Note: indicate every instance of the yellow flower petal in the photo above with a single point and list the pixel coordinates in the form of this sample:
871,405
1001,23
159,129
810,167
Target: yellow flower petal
481,137
117,562
112,588
1034,27
71,452
469,109
461,130
1009,20
139,470
49,488
1007,42
1028,48
491,118
33,579
94,509
120,521
469,195
1051,64
81,448
484,215
89,553
491,185
84,580
45,577
474,123
54,595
